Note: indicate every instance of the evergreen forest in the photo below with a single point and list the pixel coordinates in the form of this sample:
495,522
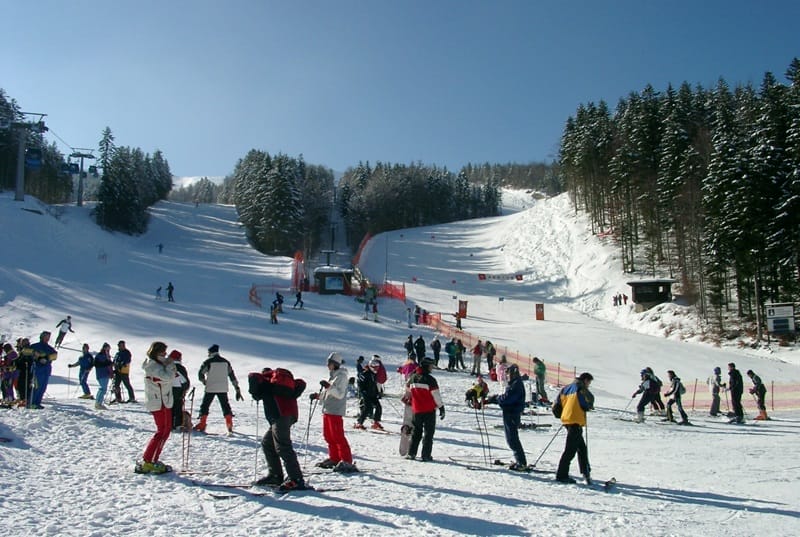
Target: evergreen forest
702,184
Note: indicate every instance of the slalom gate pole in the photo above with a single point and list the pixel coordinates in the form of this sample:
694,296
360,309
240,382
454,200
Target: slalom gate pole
547,447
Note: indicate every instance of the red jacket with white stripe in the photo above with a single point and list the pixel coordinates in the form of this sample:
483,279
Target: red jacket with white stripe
424,392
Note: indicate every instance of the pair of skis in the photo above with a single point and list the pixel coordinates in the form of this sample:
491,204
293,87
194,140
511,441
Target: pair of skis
246,489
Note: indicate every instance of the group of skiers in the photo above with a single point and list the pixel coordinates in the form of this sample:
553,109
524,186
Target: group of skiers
650,390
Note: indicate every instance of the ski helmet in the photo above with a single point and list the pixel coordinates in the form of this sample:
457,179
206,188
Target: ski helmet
513,370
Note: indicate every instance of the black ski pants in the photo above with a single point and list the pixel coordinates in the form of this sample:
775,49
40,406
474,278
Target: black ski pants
575,444
277,446
223,402
424,427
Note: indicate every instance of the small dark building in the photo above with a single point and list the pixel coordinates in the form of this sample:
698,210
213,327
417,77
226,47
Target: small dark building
333,280
648,293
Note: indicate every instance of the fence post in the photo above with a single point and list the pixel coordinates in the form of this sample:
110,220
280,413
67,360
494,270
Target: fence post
694,395
558,375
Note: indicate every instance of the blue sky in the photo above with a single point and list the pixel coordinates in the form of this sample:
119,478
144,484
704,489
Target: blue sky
443,82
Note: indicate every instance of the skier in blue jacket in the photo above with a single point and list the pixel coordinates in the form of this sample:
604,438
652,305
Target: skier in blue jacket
43,357
85,362
512,401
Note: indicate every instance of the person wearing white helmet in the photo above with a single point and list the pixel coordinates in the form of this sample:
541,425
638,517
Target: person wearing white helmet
333,394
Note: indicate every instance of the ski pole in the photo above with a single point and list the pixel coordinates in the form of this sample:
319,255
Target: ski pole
187,432
547,447
727,406
311,409
255,465
488,440
69,381
480,432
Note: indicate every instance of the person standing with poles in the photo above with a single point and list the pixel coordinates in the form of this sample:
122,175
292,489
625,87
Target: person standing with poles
736,386
575,400
122,374
214,374
159,372
180,385
278,390
43,357
334,406
512,401
759,392
714,383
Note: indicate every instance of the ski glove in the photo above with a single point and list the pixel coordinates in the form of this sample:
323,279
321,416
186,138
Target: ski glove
441,413
313,396
325,384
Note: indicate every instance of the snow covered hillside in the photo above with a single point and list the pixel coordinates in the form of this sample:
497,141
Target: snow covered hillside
67,469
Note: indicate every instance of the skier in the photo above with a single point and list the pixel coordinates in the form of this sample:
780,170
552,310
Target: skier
298,300
104,371
8,371
64,326
450,350
460,350
170,290
409,346
279,390
159,372
369,395
85,362
714,383
736,386
278,302
334,406
512,401
24,364
501,370
158,293
273,313
436,347
43,357
476,395
540,372
490,354
214,374
180,385
122,374
477,352
760,391
409,317
646,389
576,400
676,390
657,404
419,348
423,392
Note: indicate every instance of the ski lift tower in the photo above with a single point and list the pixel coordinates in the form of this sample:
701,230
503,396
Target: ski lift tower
81,154
22,128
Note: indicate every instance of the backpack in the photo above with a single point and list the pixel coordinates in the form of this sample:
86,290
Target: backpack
278,382
682,388
557,407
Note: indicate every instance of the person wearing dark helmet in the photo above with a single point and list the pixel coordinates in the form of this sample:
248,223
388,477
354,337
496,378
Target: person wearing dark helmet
423,392
576,400
512,401
215,373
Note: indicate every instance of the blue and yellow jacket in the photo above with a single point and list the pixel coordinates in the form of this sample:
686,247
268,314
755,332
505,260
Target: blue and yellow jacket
575,400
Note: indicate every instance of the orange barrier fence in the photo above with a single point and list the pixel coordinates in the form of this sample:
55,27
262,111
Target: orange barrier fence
780,396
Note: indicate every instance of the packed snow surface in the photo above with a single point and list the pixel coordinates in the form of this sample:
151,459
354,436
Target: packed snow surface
68,469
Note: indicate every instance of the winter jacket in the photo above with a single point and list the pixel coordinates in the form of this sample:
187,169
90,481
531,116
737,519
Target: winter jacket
477,350
436,346
407,369
122,361
512,401
368,385
500,371
423,392
419,347
540,370
181,379
103,366
334,398
675,387
85,362
758,386
278,397
158,379
215,372
647,385
575,401
43,354
735,383
714,383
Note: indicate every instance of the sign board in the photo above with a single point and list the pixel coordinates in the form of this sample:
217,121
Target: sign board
780,318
